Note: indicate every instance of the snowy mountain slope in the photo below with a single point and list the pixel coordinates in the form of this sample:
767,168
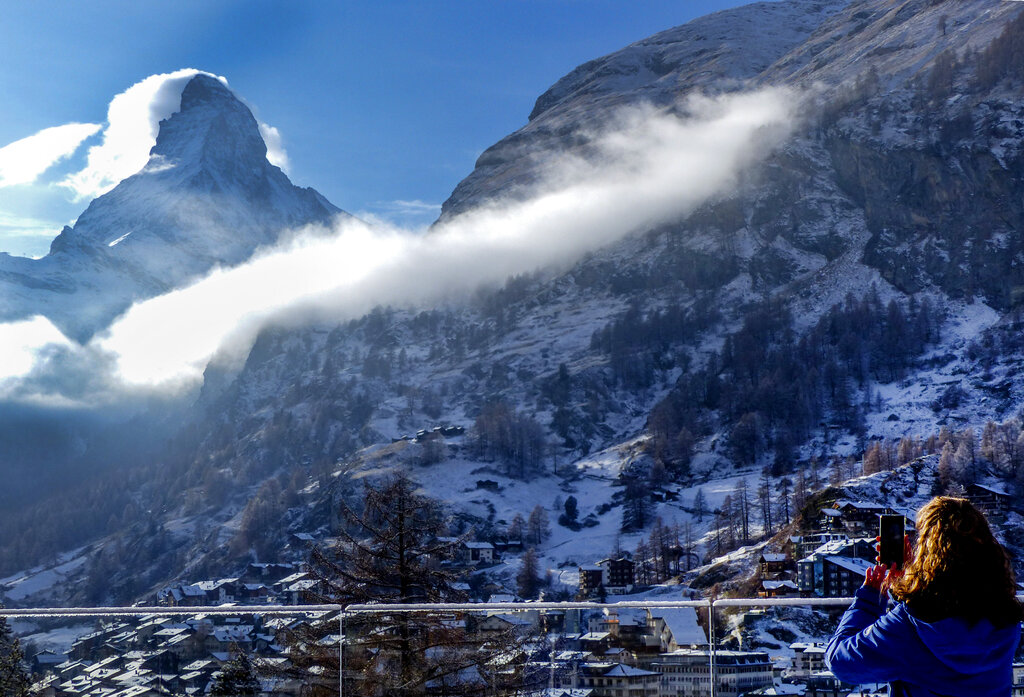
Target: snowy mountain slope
714,53
898,186
207,197
898,39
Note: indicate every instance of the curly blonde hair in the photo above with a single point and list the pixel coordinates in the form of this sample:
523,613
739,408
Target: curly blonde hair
958,569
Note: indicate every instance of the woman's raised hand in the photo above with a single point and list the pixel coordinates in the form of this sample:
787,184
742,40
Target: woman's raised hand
881,577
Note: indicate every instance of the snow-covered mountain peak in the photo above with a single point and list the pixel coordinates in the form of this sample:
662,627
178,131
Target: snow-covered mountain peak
212,130
205,89
207,197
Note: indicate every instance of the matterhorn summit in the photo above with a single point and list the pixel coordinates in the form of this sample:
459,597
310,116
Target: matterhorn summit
207,197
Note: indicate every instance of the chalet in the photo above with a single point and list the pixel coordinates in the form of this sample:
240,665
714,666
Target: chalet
802,545
647,632
777,589
186,595
269,572
301,540
281,585
682,626
253,593
597,643
773,564
629,628
217,592
476,552
500,622
993,501
608,575
45,660
831,520
860,517
300,591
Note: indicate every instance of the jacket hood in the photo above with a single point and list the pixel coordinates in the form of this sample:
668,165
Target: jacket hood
965,648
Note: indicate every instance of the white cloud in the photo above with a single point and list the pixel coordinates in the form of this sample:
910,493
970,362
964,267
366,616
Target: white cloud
276,154
649,167
24,160
133,121
23,343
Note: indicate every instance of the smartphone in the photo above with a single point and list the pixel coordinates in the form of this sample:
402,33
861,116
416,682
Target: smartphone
891,529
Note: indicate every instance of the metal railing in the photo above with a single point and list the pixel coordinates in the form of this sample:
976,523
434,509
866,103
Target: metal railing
345,612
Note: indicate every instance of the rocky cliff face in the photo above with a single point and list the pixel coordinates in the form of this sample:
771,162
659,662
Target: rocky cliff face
720,52
207,196
906,130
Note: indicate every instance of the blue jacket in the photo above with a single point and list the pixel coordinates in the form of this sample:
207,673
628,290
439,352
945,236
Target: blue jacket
921,659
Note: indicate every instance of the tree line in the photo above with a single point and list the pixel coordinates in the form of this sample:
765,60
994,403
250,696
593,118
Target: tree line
769,388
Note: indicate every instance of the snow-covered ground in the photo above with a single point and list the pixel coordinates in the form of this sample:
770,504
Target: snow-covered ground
39,581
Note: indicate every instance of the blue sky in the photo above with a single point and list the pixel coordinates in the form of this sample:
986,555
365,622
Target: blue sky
376,102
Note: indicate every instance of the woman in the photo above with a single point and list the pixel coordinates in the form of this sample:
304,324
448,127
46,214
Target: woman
956,624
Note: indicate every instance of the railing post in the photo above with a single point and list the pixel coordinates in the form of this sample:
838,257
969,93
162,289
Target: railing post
341,654
551,682
711,639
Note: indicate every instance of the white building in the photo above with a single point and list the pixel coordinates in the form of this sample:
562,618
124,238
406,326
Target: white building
687,672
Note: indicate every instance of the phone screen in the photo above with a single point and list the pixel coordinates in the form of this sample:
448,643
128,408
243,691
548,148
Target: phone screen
891,529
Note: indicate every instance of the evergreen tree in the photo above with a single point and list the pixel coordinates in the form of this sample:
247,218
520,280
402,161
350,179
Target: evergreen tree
236,679
570,513
14,679
571,508
635,504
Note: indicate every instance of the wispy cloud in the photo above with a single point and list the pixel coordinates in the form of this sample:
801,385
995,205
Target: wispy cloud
23,345
133,121
414,206
648,166
27,227
276,154
413,213
22,161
